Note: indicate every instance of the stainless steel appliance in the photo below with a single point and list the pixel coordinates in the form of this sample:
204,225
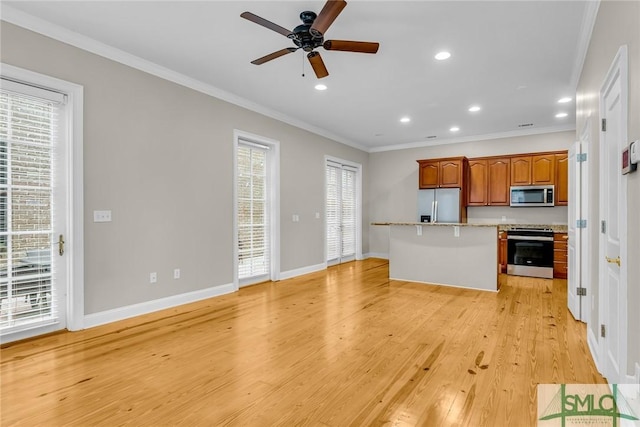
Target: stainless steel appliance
439,205
530,252
532,195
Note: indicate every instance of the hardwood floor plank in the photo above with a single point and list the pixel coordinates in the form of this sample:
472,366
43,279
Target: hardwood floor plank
345,346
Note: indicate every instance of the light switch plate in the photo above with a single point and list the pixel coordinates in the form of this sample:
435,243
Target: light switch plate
101,216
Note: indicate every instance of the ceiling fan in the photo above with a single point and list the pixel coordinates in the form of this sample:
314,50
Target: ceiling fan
310,35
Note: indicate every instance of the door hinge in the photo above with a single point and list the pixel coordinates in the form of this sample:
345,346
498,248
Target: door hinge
581,223
603,332
604,125
581,292
603,226
581,157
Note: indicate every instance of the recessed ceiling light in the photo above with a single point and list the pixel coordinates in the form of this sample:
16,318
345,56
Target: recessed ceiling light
405,120
561,115
320,86
564,100
441,56
454,129
474,108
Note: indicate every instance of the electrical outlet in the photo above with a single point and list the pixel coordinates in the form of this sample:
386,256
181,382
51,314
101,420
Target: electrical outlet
153,277
176,273
456,231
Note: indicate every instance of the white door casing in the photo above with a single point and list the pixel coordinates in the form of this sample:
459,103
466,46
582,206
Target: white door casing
613,208
574,301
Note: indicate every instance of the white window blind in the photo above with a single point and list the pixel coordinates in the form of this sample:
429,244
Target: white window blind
340,212
253,218
28,135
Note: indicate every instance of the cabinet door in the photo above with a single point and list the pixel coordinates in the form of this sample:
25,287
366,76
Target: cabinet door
428,175
451,173
562,179
521,170
477,193
498,188
543,169
560,255
502,251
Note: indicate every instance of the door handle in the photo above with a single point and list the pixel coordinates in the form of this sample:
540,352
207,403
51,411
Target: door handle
61,245
613,260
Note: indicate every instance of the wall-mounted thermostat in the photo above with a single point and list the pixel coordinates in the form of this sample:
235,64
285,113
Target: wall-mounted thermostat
628,165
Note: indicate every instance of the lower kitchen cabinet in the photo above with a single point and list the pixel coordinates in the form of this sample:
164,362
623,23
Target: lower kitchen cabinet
560,255
502,252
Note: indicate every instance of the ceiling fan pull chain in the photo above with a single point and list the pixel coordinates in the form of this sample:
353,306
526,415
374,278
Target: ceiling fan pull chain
302,64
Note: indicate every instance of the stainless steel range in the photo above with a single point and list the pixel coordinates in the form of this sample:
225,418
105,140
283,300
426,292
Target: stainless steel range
530,252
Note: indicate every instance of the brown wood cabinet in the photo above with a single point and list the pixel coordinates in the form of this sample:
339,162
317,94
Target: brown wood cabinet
498,188
488,182
502,252
477,194
521,170
560,255
562,179
535,169
441,173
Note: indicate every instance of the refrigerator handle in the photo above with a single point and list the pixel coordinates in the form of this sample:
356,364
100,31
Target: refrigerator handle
433,210
436,212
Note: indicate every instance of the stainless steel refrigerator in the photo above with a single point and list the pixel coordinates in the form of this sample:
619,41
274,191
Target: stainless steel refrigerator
439,205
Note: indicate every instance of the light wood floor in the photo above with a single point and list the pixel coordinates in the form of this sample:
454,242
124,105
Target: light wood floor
341,347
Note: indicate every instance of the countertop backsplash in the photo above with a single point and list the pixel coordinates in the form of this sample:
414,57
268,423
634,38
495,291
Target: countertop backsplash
504,214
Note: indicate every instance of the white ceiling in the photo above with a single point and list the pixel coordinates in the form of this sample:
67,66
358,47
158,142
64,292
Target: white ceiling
513,58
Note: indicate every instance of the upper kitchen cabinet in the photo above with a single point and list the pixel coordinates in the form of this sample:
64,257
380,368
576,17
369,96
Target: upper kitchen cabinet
562,179
536,169
499,169
488,182
521,170
441,173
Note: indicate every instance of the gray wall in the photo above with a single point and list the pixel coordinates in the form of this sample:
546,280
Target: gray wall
394,182
617,23
159,155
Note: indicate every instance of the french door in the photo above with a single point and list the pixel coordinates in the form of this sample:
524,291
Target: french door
341,212
33,217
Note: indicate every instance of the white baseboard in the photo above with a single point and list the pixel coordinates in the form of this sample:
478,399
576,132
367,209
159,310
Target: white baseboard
381,255
592,343
304,270
121,313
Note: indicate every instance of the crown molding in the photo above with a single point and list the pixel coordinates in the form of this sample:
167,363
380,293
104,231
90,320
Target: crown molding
586,29
56,32
484,137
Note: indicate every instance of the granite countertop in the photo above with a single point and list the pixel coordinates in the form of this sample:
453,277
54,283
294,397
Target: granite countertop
557,228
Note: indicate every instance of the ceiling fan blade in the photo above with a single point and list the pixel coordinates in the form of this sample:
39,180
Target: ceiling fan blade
351,46
274,55
317,64
328,14
267,24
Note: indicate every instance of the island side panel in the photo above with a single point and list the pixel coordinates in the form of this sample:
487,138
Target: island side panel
438,257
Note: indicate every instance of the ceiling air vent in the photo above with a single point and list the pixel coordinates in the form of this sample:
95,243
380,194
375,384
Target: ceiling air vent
525,125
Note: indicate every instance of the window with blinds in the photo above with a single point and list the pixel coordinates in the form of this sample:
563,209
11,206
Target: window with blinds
253,218
340,211
28,135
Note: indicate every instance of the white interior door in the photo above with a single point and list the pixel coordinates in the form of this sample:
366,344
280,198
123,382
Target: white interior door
574,299
341,212
612,289
33,211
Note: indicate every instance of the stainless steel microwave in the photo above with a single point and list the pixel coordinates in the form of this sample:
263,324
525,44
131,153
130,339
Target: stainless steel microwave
532,195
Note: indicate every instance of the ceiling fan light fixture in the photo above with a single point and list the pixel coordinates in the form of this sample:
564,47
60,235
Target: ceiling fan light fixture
441,56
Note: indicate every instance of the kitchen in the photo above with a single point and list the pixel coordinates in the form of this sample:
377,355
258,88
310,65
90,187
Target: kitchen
401,202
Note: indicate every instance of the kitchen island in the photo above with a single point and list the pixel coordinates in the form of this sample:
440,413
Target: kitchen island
460,255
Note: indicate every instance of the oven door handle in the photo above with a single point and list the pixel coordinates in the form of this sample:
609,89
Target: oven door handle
536,238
